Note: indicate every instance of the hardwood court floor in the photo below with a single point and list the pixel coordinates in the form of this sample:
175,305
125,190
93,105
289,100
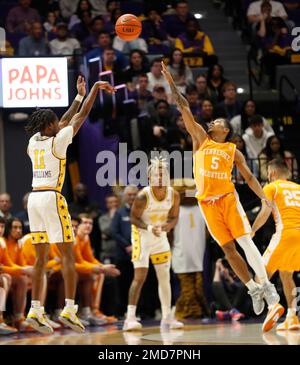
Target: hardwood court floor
207,334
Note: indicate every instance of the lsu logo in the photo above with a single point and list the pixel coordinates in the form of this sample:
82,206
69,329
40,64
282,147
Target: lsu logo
296,41
2,40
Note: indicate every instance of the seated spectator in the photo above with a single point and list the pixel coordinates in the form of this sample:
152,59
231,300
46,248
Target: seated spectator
162,125
204,92
83,29
111,6
230,106
276,46
254,10
14,264
158,93
63,45
97,27
275,150
34,44
50,23
126,47
176,23
207,113
104,41
138,64
256,138
216,81
141,93
229,293
5,205
196,42
68,8
154,32
83,5
192,97
109,64
23,214
5,284
111,22
241,146
240,123
20,17
155,76
181,72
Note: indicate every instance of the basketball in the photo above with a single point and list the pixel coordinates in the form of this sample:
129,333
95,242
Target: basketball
128,27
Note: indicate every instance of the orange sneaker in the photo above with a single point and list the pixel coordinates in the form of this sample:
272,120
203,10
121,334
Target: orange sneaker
273,315
108,319
290,324
23,326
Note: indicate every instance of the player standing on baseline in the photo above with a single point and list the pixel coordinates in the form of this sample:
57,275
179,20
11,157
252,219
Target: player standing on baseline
283,252
49,218
219,203
154,213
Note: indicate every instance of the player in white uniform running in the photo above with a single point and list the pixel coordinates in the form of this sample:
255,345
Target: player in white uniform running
49,218
154,213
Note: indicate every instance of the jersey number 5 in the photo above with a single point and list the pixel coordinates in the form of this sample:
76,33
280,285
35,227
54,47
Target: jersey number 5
39,162
215,163
292,198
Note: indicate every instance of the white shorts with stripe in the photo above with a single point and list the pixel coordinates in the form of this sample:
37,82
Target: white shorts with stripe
49,218
146,246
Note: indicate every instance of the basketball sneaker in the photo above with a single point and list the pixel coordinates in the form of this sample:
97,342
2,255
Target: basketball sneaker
54,325
5,329
275,312
236,315
270,294
132,325
171,323
290,324
22,325
257,296
108,319
68,317
37,320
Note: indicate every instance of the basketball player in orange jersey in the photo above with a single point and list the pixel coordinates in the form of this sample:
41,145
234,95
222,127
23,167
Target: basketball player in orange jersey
48,214
219,203
283,252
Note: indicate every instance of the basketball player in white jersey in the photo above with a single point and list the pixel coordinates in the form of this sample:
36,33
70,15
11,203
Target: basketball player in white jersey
154,213
49,218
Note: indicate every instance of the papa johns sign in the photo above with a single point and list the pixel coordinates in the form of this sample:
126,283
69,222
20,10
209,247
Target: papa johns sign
34,82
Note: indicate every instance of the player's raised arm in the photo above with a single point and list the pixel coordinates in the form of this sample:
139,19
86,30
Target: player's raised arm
251,180
173,214
196,131
262,217
69,114
137,209
79,118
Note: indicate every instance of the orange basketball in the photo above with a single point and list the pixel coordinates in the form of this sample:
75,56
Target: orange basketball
128,27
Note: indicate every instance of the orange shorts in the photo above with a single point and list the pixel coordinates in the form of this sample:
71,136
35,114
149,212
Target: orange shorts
225,218
283,252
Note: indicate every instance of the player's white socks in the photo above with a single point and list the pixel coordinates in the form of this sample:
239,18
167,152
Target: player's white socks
70,303
291,312
131,311
251,285
253,257
35,304
164,288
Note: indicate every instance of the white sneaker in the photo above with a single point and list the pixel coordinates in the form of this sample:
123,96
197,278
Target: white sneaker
257,296
172,324
37,320
132,325
54,325
68,317
270,294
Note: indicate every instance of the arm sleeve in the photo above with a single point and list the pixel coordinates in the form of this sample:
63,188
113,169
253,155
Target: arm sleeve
62,140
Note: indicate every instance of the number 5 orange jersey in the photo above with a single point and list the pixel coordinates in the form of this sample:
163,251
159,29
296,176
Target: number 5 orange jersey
286,199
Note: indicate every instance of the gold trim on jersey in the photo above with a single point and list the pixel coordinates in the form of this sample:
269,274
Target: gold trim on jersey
64,217
62,173
54,153
136,243
39,237
160,258
45,188
155,198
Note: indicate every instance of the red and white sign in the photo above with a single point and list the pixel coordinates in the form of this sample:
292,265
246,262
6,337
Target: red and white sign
34,82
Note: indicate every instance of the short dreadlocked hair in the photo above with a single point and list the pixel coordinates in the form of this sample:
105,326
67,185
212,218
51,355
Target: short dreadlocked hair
39,120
